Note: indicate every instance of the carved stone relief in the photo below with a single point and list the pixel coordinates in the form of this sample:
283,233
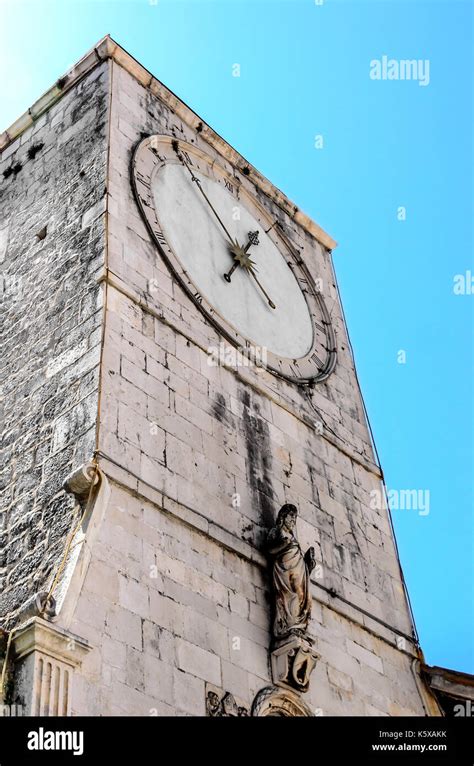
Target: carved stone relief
220,703
276,702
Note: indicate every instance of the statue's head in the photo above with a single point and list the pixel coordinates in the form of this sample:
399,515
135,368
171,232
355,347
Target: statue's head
287,516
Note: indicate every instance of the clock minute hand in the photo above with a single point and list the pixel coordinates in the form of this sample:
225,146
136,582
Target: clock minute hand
251,271
199,186
250,267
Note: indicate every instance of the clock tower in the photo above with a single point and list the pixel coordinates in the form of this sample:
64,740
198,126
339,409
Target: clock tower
189,525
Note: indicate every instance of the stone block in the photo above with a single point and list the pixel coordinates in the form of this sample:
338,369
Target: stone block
134,596
124,626
188,693
199,662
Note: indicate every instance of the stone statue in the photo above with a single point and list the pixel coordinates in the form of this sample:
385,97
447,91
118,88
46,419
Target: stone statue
291,571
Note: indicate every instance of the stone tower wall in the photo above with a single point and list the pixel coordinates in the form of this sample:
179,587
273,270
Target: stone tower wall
200,458
52,187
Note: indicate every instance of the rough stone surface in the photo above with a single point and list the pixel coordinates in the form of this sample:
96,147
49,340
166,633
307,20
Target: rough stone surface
52,187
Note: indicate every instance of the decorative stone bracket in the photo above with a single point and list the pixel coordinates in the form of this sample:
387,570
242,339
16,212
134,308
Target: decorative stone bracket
80,483
41,604
45,658
293,661
87,483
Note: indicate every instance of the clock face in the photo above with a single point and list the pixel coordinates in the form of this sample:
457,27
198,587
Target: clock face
233,259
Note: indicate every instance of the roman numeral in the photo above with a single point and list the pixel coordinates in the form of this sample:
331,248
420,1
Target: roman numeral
160,236
228,185
317,361
158,156
141,178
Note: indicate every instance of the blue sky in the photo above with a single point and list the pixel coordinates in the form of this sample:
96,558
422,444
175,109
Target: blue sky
304,71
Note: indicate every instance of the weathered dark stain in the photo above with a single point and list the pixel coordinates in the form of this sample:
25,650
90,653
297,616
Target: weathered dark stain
219,410
222,414
33,150
259,458
314,488
13,170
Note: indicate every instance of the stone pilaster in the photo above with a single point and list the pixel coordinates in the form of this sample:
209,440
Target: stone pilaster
45,659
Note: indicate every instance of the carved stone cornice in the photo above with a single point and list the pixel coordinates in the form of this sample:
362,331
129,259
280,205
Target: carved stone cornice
38,635
107,48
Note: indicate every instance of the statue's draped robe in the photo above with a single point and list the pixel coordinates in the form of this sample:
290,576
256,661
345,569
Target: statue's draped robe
291,583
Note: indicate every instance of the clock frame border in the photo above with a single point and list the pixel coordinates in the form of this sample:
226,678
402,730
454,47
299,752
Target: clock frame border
304,370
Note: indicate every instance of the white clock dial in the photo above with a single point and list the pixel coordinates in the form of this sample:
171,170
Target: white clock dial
202,247
232,258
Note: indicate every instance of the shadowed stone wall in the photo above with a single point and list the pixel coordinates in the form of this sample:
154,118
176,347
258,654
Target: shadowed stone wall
52,187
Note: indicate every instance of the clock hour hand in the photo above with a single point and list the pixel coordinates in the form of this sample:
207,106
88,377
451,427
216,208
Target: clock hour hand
228,274
199,186
241,258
